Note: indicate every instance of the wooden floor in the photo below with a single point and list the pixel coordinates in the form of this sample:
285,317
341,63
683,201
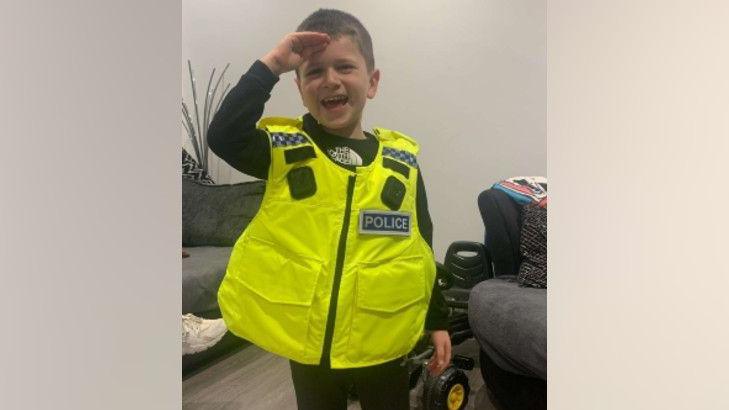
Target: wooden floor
253,379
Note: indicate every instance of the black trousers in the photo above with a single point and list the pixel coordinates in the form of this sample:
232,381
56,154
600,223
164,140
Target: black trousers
381,387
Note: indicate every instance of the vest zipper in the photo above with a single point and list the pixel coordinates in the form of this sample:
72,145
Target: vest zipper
329,332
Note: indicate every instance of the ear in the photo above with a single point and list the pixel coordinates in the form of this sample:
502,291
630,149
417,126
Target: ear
374,81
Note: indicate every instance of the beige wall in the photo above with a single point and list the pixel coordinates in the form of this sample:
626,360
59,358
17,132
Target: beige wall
466,78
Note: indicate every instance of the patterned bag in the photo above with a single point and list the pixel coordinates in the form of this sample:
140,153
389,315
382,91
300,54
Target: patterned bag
533,247
192,170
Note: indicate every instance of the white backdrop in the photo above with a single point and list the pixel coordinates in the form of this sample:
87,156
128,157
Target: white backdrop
467,79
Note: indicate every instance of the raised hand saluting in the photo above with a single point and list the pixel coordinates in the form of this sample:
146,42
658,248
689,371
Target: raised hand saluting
293,49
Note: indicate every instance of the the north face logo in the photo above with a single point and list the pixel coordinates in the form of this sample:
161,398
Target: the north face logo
344,156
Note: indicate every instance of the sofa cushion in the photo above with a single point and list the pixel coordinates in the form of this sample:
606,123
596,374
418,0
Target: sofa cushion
202,273
215,215
510,324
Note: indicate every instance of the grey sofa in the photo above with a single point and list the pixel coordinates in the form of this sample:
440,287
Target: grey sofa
510,324
509,321
213,217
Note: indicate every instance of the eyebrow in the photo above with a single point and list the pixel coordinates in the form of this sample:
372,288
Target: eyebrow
345,60
337,61
314,66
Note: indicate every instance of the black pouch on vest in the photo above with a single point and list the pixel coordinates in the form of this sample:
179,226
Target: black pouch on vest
299,154
393,193
396,166
302,183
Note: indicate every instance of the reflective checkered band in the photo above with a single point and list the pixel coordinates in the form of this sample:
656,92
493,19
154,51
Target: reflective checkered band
287,140
403,156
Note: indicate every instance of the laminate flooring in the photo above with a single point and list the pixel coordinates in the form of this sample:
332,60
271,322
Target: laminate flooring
253,379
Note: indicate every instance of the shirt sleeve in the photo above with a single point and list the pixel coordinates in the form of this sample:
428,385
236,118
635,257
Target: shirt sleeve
233,135
437,316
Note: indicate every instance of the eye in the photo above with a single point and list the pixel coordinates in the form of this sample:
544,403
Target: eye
346,68
313,72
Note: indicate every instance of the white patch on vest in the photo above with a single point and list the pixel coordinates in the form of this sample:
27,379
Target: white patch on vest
379,222
345,156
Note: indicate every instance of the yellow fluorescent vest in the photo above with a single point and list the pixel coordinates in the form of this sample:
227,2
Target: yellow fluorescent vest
328,247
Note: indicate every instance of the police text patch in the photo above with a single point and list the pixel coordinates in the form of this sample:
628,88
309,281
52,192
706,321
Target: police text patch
378,222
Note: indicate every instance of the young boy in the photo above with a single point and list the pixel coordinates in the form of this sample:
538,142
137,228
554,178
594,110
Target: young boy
336,271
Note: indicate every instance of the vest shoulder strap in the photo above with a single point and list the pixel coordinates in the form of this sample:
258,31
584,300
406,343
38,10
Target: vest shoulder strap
281,124
397,140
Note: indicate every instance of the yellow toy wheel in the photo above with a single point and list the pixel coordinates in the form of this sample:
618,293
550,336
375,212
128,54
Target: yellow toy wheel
455,396
449,391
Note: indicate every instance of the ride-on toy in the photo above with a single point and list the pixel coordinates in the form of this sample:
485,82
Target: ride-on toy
466,264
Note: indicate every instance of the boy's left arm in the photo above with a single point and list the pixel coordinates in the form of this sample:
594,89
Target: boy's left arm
436,320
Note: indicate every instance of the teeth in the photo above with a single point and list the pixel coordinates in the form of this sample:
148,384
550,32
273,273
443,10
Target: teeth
335,98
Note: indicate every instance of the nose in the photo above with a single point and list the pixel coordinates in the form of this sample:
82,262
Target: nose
331,78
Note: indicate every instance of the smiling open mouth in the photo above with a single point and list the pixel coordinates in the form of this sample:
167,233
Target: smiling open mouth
334,102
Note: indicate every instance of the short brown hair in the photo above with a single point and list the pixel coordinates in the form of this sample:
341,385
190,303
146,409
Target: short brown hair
337,23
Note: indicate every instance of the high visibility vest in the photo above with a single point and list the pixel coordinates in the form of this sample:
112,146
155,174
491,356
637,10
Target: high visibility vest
333,268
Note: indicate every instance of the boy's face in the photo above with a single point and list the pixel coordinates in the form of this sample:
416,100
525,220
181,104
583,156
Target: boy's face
335,84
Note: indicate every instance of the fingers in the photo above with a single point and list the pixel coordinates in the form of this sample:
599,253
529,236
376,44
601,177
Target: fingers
440,359
308,42
308,38
311,50
447,358
433,365
440,355
441,352
293,49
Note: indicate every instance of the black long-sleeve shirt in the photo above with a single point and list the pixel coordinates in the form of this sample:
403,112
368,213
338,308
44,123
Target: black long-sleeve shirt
233,136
